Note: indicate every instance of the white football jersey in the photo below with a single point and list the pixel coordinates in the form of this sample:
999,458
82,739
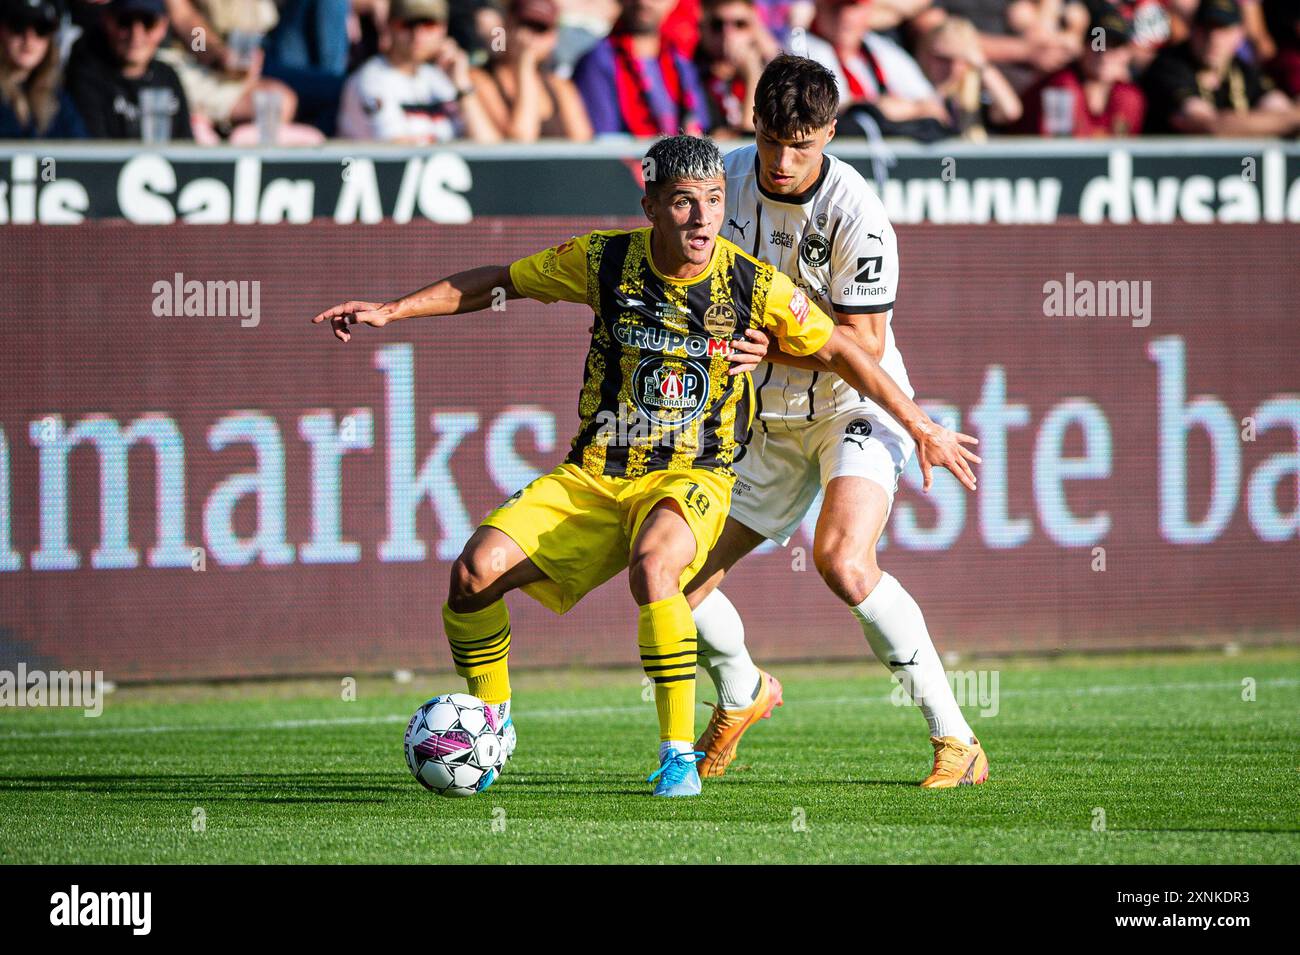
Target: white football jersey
837,244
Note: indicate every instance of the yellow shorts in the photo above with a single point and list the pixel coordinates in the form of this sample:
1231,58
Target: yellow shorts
578,528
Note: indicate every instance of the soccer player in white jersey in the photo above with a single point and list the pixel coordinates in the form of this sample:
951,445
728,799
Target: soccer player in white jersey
816,219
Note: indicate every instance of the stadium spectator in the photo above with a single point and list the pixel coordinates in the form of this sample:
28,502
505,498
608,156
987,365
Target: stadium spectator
583,24
1105,100
522,96
33,103
1152,25
634,82
110,66
782,16
216,53
365,23
1026,39
1205,86
882,89
681,28
307,50
1262,47
1283,20
891,16
975,92
734,47
478,27
419,90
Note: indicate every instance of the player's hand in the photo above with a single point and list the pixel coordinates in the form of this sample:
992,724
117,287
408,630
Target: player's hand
374,314
747,352
937,446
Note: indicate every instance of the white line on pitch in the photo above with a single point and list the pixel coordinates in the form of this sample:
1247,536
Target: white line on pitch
608,710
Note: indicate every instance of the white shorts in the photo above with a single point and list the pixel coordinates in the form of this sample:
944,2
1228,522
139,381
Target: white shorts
782,469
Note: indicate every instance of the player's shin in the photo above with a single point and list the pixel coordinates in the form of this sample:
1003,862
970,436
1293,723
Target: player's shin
667,642
896,631
723,654
480,647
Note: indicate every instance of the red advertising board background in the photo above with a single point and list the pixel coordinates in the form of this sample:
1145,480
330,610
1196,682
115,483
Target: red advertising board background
1096,430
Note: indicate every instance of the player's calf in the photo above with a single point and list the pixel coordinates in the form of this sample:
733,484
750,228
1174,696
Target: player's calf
666,639
475,618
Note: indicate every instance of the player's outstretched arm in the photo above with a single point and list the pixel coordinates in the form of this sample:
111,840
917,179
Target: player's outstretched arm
467,291
935,444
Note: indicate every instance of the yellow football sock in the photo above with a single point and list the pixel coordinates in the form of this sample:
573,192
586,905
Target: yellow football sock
480,645
665,635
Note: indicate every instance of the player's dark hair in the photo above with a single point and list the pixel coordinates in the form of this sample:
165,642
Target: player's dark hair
795,96
674,158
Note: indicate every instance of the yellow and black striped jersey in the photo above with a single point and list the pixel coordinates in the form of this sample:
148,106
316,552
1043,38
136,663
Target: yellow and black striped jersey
657,396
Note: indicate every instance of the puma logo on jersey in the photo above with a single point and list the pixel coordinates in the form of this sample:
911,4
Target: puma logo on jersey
738,227
872,235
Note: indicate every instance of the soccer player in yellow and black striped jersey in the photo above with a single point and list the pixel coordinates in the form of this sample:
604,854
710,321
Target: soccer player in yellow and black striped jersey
647,483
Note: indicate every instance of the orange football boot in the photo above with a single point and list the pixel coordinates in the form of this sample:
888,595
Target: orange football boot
956,764
721,737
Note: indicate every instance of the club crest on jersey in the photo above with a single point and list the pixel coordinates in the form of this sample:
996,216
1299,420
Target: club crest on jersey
814,249
720,320
670,391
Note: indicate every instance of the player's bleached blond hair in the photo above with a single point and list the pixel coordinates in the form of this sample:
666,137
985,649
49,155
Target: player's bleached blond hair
676,158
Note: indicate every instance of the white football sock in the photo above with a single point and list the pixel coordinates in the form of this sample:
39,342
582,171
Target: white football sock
670,744
896,630
723,654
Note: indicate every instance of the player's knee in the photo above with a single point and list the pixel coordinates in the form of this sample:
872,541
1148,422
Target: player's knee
849,574
652,577
470,578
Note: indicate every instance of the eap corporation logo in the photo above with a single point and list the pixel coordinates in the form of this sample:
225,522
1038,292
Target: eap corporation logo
670,391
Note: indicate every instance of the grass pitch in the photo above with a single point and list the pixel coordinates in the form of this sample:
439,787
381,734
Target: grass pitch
1095,760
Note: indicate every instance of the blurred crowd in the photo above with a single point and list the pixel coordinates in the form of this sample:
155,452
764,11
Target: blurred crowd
293,72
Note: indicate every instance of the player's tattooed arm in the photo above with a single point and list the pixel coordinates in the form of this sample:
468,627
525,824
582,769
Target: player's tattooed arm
468,291
936,446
